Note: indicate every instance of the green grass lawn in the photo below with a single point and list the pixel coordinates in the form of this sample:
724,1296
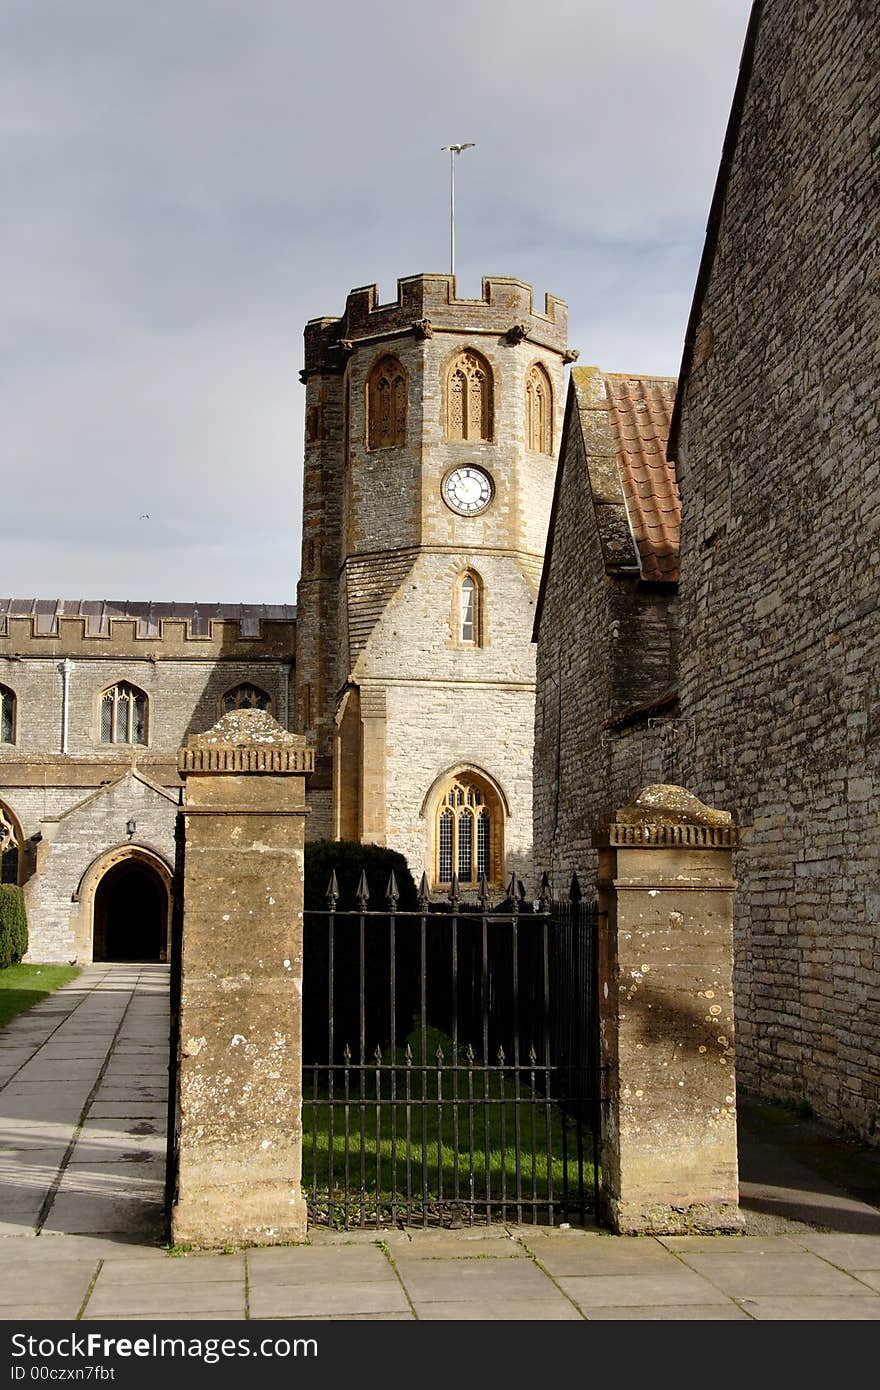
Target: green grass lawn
415,1158
22,986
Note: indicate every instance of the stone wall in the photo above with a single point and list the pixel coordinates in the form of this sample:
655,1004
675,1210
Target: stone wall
435,728
236,1172
426,703
573,686
669,1150
779,466
59,917
66,803
182,695
317,590
606,659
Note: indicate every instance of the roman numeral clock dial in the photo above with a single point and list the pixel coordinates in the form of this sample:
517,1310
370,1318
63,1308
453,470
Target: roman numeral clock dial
467,490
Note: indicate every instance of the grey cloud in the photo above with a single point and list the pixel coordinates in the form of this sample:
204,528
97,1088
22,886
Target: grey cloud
186,183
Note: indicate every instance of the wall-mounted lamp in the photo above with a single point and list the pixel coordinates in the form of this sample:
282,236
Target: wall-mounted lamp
131,826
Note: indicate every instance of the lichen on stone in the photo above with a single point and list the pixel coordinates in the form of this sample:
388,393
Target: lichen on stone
243,728
666,804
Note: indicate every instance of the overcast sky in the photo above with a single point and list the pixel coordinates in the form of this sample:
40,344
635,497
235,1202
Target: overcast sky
186,182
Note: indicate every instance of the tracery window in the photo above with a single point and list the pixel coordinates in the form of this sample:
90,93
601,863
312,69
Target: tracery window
386,405
123,714
245,697
468,833
7,715
539,404
469,398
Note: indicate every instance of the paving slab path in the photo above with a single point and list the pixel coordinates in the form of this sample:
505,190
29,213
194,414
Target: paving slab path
83,1081
83,1095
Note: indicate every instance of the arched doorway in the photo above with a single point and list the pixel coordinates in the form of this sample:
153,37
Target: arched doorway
130,913
11,842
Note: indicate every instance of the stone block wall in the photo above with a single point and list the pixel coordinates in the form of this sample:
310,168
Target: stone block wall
606,646
181,695
779,462
183,664
237,1168
59,922
389,629
573,689
434,728
318,588
669,1149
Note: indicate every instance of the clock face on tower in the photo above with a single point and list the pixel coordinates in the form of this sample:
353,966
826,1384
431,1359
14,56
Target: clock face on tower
467,490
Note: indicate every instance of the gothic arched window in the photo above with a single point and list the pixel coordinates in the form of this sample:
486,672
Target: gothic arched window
386,405
469,609
469,397
245,697
123,714
539,407
468,832
7,714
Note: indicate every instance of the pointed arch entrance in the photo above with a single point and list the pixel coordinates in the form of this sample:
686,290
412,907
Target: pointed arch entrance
11,846
125,897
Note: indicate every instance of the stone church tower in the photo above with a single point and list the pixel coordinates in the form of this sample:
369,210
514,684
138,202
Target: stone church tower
432,425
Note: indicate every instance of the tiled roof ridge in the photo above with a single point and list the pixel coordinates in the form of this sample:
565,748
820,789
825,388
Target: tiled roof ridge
597,405
638,376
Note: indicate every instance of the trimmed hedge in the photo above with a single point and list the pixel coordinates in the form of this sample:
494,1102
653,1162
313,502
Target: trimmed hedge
13,925
348,859
357,983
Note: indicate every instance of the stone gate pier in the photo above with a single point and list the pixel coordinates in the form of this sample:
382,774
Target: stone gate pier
669,1160
240,1070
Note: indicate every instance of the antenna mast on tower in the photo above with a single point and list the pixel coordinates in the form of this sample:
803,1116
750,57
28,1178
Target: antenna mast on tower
453,151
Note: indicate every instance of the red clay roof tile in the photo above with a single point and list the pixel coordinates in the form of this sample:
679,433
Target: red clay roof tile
640,413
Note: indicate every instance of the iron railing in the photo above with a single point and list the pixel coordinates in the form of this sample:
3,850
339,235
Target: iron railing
450,1060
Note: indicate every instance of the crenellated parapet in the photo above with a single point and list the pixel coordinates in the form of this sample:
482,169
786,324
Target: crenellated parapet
431,428
84,628
427,304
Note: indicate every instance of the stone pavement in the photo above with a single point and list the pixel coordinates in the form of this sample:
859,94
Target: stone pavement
82,1101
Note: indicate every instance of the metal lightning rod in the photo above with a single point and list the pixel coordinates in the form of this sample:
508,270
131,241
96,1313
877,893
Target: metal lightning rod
453,151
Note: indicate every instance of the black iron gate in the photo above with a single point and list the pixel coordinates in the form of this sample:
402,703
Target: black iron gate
450,1060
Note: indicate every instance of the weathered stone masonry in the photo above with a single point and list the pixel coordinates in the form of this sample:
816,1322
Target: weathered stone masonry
605,625
669,1153
394,700
71,808
239,1166
779,461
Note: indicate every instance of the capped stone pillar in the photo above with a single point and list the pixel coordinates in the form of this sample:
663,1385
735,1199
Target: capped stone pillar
240,1074
669,1161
